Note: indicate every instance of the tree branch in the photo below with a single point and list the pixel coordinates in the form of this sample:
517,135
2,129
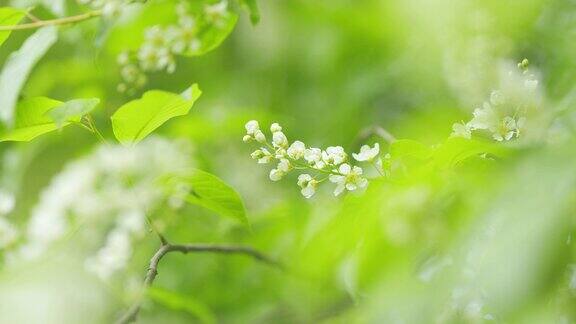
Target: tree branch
54,22
166,248
375,131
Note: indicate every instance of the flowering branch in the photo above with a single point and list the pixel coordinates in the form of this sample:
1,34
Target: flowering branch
166,248
54,22
332,164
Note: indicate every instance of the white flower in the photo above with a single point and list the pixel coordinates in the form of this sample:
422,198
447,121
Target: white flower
334,155
275,128
279,139
259,136
284,165
461,130
265,156
276,175
484,118
366,153
350,178
217,12
314,157
251,127
308,185
246,138
280,153
508,128
296,150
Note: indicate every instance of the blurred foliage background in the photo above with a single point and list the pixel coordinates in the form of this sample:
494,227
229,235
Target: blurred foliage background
453,236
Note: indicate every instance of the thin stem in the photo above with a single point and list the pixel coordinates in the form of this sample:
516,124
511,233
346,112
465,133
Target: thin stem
32,17
95,130
166,248
54,22
377,168
377,131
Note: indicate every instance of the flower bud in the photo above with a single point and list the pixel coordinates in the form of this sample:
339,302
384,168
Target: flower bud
275,128
259,136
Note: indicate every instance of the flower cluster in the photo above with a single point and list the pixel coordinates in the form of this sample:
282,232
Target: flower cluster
163,43
331,164
503,115
106,196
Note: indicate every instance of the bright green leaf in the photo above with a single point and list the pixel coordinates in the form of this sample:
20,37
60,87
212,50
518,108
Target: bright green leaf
212,193
9,17
31,119
409,149
178,302
18,67
457,149
214,36
73,109
135,120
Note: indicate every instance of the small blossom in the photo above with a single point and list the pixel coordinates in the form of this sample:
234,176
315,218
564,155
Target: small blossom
257,154
276,175
484,118
251,127
303,179
296,150
217,12
260,137
350,178
334,155
279,139
507,129
275,128
284,165
308,185
246,138
314,157
266,157
366,153
461,130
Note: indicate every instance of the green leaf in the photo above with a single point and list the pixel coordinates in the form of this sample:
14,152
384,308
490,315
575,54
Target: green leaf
409,150
211,192
213,37
9,17
253,9
73,109
31,119
183,303
18,67
135,120
457,149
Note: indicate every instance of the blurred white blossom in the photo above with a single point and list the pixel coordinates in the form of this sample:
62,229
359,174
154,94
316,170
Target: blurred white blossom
106,195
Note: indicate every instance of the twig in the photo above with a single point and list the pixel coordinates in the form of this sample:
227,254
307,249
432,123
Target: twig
377,131
32,17
54,22
166,248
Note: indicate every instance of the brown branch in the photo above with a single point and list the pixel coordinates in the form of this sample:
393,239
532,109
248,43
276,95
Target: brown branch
133,311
